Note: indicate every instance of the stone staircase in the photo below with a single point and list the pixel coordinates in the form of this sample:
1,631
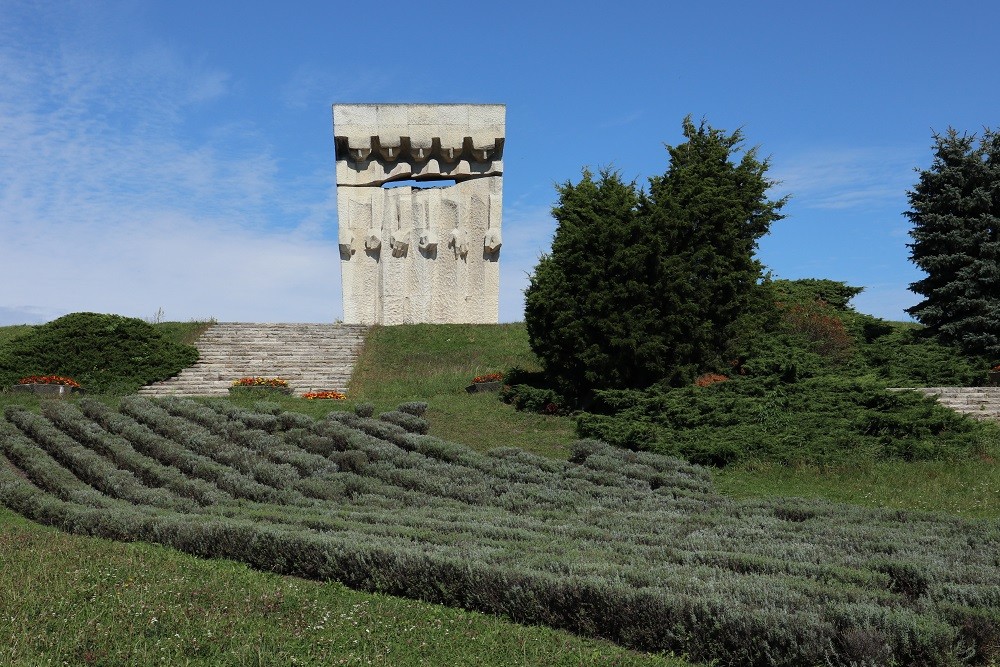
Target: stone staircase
311,357
980,402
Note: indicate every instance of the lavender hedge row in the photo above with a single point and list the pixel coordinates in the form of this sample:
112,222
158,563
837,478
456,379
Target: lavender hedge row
630,546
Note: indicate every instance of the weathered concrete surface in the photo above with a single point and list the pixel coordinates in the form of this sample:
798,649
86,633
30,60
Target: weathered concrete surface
411,254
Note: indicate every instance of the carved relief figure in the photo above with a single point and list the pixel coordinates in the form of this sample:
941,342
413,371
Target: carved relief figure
411,253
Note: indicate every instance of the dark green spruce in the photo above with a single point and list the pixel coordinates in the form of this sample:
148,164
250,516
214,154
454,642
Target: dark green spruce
955,211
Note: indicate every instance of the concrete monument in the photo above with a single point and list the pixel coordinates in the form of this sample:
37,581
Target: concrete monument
419,254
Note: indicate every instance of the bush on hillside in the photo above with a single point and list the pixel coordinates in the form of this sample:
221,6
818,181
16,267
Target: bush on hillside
835,293
530,391
905,356
104,353
812,387
826,419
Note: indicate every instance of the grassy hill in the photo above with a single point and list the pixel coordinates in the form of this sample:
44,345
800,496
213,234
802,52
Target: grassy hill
85,600
205,610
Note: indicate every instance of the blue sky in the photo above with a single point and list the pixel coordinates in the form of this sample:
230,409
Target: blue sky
178,156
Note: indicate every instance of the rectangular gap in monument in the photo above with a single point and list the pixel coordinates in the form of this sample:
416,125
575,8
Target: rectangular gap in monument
422,184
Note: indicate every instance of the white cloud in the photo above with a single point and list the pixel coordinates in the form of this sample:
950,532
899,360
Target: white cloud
190,268
106,206
847,178
527,233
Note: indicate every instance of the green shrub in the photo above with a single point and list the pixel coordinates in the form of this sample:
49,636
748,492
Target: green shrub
905,356
806,291
415,408
405,420
827,419
104,353
812,388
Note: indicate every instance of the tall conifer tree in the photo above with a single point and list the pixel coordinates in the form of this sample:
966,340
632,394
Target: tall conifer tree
955,211
644,287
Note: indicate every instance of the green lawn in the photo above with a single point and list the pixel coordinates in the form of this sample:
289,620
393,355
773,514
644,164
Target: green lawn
435,363
968,488
90,601
77,600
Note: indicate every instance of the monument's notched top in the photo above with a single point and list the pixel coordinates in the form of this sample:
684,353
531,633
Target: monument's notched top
411,254
376,143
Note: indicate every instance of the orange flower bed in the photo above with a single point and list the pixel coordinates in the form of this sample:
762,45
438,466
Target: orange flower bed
489,377
332,395
49,379
260,382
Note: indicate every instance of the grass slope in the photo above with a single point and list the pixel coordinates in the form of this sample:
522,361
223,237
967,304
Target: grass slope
434,363
398,364
613,544
76,600
88,601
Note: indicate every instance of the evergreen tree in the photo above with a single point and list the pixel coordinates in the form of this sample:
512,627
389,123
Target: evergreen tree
955,211
645,287
588,301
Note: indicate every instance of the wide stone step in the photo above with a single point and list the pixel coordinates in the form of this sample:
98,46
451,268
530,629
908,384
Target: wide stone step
978,402
311,357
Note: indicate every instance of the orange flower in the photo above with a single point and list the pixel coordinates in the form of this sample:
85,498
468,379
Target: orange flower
333,395
49,379
489,377
260,382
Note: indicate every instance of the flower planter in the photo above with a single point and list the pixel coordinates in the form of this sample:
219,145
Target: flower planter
477,387
47,390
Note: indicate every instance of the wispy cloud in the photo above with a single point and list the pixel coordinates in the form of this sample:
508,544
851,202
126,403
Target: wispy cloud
527,234
624,119
106,205
847,178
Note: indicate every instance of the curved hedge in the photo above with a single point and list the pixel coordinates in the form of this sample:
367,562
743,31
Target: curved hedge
629,546
104,353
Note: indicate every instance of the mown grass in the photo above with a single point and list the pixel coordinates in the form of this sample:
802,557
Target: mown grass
58,590
434,363
76,600
966,488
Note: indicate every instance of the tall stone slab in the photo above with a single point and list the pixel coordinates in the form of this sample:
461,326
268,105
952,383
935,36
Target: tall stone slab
409,253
